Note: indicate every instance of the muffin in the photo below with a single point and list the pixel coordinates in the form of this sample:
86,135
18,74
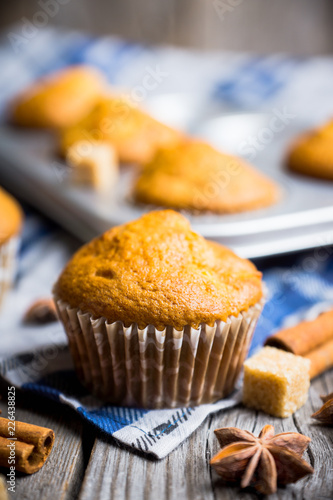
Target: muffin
312,153
134,134
10,225
194,176
157,316
59,100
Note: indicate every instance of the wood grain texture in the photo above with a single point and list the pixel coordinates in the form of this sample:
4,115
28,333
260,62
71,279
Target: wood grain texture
114,473
300,26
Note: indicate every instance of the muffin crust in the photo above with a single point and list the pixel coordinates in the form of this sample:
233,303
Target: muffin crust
194,176
156,270
10,216
59,100
312,153
133,133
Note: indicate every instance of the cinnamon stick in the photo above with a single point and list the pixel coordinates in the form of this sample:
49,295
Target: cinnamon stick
311,339
306,336
26,450
321,359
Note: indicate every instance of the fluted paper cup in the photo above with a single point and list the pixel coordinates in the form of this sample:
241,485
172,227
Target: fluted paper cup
8,251
149,368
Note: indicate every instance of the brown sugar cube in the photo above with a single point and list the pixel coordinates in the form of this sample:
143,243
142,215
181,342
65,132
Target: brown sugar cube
93,164
276,382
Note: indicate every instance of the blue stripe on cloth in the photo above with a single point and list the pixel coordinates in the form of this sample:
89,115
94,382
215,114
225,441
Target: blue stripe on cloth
35,235
112,418
111,56
49,392
69,51
256,80
62,386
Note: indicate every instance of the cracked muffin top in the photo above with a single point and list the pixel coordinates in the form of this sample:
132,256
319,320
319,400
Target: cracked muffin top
10,216
131,131
312,153
60,99
156,270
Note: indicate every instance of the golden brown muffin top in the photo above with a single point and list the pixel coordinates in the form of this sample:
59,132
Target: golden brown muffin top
195,176
134,134
60,99
156,270
10,216
312,153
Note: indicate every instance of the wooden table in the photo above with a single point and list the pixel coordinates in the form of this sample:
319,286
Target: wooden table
85,465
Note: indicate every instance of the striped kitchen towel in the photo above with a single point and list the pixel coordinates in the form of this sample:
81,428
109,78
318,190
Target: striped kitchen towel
49,372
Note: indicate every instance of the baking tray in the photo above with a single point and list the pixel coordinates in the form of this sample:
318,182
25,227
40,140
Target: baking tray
302,219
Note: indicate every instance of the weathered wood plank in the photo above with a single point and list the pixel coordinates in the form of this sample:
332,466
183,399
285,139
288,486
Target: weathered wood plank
61,476
321,447
114,473
253,25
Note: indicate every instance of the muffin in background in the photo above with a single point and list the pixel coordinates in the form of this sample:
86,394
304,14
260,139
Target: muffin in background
157,316
312,153
133,133
10,226
194,176
60,99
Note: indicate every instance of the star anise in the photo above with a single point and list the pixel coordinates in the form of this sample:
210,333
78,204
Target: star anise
327,397
262,461
325,413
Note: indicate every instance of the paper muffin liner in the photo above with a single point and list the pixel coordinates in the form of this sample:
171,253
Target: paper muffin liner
149,368
8,251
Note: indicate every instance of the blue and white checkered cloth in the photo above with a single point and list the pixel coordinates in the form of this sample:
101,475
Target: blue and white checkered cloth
298,291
